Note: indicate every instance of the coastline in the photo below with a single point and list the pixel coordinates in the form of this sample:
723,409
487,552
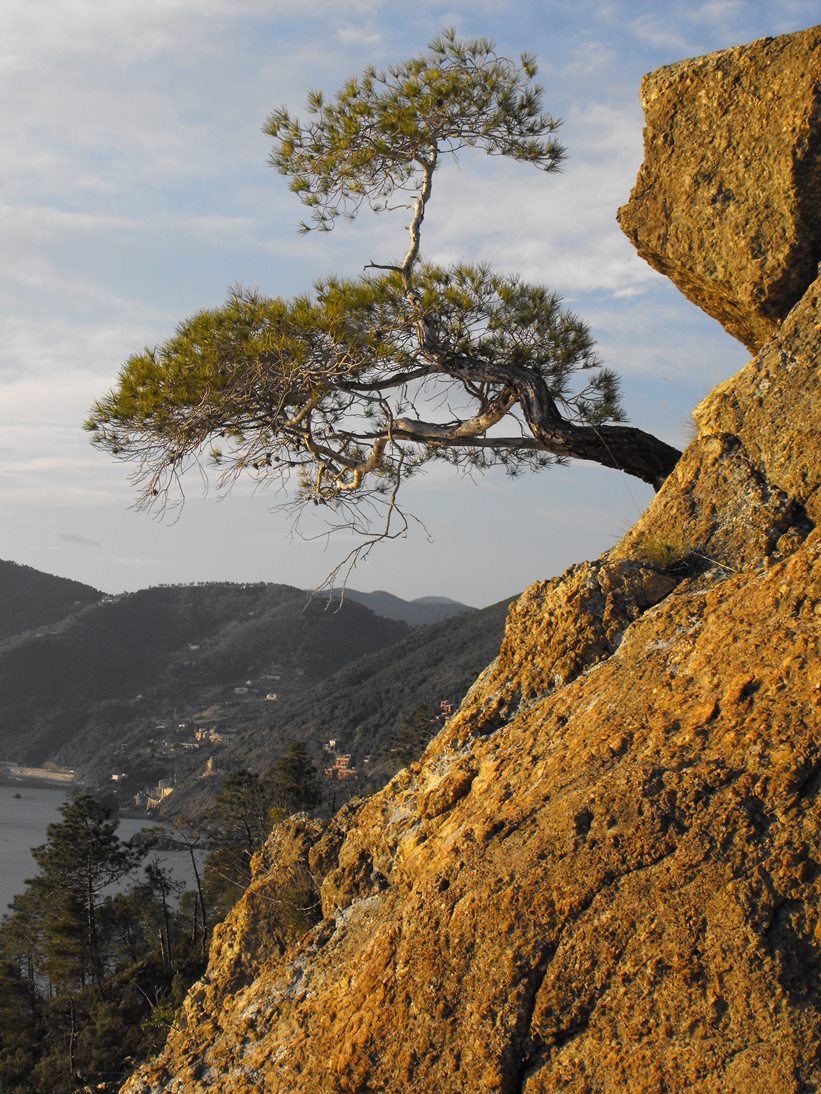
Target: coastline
12,773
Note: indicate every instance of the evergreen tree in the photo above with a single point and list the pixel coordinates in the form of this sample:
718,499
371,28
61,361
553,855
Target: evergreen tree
20,1027
357,387
294,781
413,734
89,978
239,821
240,815
81,857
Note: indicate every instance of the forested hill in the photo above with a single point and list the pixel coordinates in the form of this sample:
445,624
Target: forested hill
383,705
74,689
30,598
366,702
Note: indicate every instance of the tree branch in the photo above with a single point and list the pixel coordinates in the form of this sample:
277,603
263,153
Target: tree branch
428,167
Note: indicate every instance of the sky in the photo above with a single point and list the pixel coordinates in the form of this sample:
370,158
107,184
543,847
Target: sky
135,190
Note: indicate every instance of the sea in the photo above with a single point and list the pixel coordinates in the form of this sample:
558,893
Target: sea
26,811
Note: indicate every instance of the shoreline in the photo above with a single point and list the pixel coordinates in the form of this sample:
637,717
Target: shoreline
26,780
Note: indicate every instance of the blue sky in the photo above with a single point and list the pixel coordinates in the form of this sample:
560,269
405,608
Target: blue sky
135,190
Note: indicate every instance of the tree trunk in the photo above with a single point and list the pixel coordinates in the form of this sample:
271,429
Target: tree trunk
622,447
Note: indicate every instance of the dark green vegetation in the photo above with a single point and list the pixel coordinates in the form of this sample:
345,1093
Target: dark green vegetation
97,952
127,685
354,388
30,598
365,705
122,667
89,978
248,805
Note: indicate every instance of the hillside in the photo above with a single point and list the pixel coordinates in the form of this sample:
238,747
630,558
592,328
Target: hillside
31,599
603,874
363,704
85,689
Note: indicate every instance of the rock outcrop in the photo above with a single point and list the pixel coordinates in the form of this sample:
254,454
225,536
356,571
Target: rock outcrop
603,875
728,201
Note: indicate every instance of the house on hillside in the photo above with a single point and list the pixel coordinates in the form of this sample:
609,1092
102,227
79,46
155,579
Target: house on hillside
341,769
163,789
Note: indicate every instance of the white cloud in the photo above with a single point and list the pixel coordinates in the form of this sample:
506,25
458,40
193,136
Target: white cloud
130,31
559,228
717,11
44,220
46,349
349,35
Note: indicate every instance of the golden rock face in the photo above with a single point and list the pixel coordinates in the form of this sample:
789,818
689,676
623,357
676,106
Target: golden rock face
727,203
604,872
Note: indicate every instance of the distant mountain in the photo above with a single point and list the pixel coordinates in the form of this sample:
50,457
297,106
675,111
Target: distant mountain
154,683
362,705
418,612
30,598
97,681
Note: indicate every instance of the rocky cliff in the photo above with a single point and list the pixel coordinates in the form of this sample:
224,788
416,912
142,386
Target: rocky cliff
603,874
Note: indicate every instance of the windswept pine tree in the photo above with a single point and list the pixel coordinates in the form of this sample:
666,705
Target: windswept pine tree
353,388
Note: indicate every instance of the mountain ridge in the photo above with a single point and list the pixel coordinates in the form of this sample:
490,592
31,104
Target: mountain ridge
417,612
31,598
195,639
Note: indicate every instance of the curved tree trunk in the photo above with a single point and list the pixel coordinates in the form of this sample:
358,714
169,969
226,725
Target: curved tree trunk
622,447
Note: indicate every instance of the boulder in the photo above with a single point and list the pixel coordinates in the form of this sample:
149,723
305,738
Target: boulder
727,203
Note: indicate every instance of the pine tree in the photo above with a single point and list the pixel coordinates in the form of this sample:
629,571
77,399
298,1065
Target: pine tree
81,857
354,388
294,780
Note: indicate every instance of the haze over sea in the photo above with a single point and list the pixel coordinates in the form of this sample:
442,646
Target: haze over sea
23,825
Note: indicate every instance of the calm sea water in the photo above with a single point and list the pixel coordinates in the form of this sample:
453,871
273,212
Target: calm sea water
23,824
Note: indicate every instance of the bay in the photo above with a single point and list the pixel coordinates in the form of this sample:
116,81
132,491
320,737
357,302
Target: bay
26,811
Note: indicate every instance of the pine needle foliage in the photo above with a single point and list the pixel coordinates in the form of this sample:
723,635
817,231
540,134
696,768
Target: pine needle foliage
384,128
341,394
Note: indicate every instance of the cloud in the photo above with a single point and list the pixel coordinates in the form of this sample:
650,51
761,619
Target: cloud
79,541
135,189
558,228
47,221
691,30
131,32
659,31
71,355
716,11
349,35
